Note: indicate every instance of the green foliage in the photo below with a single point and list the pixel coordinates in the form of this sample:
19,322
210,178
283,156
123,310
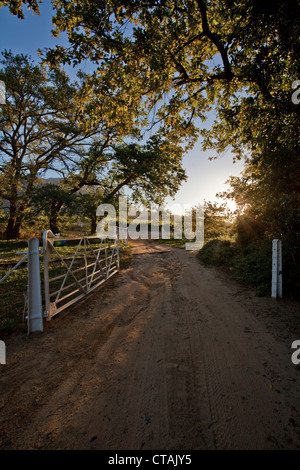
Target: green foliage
217,253
177,243
176,60
254,267
167,64
41,128
251,264
45,127
151,171
248,231
15,6
13,289
125,256
216,220
270,207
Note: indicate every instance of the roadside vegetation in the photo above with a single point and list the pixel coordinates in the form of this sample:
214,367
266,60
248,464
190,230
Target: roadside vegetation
125,127
13,291
244,247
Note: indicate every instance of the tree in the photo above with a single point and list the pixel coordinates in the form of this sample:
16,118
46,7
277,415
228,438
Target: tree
216,220
41,127
84,204
15,6
49,198
180,58
150,172
183,55
268,208
45,126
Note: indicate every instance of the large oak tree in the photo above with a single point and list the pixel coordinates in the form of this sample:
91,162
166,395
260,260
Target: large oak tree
43,126
179,58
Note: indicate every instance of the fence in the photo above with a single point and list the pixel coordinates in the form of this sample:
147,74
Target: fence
73,267
34,300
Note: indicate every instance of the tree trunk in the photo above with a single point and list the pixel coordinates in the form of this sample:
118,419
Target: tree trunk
53,223
12,230
54,213
93,224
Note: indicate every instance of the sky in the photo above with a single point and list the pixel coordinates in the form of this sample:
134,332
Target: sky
205,177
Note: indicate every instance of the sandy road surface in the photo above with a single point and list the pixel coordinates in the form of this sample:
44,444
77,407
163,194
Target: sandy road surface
171,355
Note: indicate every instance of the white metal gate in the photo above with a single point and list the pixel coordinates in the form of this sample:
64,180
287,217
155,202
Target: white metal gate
33,297
73,267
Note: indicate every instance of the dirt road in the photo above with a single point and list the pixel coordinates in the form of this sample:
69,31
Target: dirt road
170,356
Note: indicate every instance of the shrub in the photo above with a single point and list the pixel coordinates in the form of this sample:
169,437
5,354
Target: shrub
252,267
217,253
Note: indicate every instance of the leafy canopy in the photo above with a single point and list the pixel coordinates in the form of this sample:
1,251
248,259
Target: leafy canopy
177,58
15,6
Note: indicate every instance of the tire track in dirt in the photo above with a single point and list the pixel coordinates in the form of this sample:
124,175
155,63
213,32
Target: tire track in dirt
231,368
166,357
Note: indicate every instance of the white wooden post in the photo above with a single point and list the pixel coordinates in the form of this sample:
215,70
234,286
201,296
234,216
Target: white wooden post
46,257
2,353
276,291
35,313
118,254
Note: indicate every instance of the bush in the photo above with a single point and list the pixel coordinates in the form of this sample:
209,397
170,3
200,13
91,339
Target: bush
252,268
217,253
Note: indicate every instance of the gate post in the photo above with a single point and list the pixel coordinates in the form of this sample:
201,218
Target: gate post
276,291
118,253
35,313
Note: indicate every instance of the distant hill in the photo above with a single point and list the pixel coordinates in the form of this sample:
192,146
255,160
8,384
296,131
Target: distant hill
52,180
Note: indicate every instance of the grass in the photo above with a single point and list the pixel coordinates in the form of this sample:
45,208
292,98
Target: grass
177,243
14,289
125,256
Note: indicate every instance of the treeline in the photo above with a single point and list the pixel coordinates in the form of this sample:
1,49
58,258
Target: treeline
45,128
242,242
164,66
